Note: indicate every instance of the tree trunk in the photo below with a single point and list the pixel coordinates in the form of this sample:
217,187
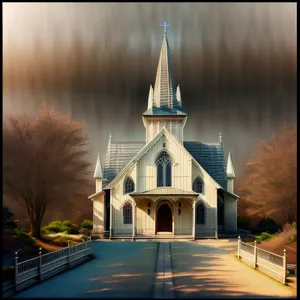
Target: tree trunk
36,229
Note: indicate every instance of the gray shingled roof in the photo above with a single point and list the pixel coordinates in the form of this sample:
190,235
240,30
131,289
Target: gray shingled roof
118,156
164,111
209,155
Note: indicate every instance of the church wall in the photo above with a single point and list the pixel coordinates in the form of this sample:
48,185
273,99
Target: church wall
209,197
184,222
98,215
230,214
181,167
118,200
210,200
145,223
173,126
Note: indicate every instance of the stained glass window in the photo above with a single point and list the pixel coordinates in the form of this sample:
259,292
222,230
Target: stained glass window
164,172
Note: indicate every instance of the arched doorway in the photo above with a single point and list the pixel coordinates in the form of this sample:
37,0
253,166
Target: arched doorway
164,218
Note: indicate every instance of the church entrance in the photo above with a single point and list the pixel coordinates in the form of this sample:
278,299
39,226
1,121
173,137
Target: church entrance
164,218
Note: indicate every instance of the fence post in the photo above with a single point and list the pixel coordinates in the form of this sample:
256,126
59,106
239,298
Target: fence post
255,254
239,247
40,263
68,254
284,266
16,270
90,245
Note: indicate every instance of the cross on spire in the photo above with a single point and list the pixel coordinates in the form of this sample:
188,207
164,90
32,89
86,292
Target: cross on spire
165,26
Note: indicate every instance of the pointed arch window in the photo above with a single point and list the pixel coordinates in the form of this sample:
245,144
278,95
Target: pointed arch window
127,214
200,219
198,186
128,185
164,172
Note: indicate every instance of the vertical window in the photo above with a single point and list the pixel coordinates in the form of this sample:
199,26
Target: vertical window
164,171
127,214
128,185
200,213
198,186
160,175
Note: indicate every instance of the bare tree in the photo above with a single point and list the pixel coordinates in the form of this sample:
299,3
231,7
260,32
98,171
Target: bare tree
271,182
44,162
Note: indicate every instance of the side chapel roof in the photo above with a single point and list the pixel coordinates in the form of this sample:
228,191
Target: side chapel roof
209,155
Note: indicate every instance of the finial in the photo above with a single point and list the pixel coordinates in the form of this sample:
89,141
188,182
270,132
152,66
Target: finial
165,26
220,137
110,136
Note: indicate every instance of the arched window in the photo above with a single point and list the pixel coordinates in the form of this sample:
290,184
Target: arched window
198,185
128,185
200,213
164,173
127,214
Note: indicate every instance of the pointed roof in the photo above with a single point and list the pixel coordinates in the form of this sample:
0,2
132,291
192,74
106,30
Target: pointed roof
230,169
163,88
98,169
164,97
150,97
143,150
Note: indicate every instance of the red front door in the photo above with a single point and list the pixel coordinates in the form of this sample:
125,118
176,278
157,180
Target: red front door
164,216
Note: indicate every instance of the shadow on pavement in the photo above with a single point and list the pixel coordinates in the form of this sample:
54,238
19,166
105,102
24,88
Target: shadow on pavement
198,272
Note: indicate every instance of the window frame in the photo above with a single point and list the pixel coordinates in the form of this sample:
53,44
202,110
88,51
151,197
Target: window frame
198,207
128,178
164,167
198,179
127,214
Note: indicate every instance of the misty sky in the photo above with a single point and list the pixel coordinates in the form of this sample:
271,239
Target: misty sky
235,64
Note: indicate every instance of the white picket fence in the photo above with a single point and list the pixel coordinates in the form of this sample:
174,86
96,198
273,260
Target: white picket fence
267,262
44,266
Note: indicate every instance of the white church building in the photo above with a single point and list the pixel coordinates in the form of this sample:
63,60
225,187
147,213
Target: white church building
164,186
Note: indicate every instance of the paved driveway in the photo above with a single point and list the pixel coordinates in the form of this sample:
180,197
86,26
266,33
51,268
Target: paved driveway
209,269
120,270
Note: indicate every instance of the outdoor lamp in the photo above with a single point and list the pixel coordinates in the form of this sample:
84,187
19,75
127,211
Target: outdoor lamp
179,208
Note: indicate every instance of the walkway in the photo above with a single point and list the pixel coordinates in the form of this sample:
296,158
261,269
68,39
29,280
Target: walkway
200,269
209,269
120,270
164,287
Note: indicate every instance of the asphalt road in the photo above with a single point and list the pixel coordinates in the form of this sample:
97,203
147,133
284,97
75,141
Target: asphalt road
120,270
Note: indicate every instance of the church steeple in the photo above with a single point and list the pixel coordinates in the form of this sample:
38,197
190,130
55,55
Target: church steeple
164,101
163,88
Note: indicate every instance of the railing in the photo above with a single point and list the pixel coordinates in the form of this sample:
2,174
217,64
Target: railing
44,266
267,262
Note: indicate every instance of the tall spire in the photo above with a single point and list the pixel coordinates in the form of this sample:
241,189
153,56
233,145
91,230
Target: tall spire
98,169
178,96
230,169
163,88
150,97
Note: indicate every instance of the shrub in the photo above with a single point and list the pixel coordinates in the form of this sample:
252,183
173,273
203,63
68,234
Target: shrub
23,237
267,225
60,226
263,236
244,223
8,273
288,227
61,240
88,224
